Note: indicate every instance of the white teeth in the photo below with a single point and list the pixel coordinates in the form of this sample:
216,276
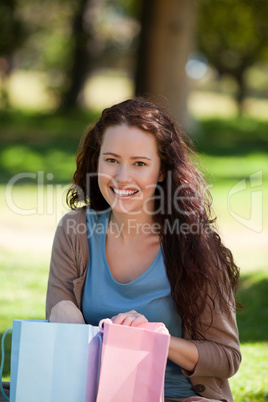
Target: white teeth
123,192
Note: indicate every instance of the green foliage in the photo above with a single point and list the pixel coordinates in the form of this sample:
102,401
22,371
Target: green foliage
238,136
67,40
127,7
48,44
41,142
233,33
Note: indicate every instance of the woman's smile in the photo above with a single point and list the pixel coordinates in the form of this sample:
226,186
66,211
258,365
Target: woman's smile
123,193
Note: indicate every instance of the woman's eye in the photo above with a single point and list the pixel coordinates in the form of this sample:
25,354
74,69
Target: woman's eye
111,160
139,163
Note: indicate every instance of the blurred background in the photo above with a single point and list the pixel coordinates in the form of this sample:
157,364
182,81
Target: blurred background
63,61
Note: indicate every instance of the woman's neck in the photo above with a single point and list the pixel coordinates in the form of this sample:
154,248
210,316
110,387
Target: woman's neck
130,226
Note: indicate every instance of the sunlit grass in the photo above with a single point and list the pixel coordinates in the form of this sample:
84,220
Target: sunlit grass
235,167
105,87
23,278
28,89
250,384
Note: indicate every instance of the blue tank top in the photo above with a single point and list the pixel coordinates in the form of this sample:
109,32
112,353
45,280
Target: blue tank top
149,294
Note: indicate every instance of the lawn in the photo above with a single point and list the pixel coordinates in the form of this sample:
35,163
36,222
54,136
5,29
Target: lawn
234,158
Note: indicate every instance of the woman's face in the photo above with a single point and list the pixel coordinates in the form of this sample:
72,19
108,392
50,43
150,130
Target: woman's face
129,169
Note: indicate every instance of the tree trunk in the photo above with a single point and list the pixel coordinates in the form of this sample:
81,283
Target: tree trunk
79,58
13,35
241,92
166,40
147,25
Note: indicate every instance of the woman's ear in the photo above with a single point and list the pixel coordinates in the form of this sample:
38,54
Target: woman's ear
161,176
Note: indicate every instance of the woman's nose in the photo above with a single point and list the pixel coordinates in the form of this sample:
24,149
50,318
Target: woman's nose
123,174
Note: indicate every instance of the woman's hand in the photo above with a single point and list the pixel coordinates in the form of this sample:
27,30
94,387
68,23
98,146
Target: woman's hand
66,312
130,318
182,352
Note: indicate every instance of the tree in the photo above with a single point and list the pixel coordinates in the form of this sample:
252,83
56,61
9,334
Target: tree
13,34
166,40
233,35
70,38
91,44
80,55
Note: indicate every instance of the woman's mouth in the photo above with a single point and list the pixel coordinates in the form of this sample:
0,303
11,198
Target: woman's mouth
123,193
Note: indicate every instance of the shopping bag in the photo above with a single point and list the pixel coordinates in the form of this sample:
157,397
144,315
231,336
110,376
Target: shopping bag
50,362
133,362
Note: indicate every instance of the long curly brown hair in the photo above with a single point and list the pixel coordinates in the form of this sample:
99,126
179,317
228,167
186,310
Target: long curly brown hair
200,269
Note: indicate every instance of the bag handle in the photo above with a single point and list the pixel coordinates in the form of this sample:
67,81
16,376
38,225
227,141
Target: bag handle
101,324
151,326
99,337
3,361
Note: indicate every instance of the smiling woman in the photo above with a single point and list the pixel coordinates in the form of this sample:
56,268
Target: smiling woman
150,246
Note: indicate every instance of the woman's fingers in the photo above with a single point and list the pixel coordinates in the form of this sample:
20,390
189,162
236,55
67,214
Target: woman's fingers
130,318
140,319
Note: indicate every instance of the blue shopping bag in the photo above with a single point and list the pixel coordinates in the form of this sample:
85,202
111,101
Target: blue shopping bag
54,362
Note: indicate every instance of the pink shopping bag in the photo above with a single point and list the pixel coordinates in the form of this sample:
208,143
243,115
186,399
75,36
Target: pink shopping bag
133,362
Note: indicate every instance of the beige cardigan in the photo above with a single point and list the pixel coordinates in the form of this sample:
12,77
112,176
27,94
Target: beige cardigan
219,354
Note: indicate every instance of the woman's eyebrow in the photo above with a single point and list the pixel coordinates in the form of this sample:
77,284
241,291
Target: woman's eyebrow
132,157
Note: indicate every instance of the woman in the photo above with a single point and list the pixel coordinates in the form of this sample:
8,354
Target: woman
143,247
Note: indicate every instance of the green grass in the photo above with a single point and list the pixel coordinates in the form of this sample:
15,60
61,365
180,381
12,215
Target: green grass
48,142
22,285
250,384
23,278
41,142
232,150
228,137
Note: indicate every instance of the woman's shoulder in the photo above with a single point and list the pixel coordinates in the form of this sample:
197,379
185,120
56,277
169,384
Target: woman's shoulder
75,221
76,216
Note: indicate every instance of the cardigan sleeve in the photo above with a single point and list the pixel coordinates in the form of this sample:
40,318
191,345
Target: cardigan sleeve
219,352
67,264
